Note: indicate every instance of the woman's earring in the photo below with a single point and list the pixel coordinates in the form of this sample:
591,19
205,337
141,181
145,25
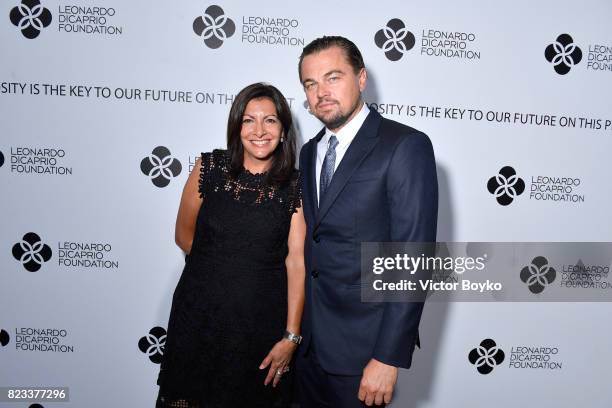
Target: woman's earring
282,139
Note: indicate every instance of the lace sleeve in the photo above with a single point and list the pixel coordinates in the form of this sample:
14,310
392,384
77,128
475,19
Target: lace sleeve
206,164
212,167
295,192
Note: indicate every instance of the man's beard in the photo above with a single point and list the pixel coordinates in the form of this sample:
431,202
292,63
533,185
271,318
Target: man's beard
336,121
339,119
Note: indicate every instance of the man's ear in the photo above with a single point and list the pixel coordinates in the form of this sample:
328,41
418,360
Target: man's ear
363,79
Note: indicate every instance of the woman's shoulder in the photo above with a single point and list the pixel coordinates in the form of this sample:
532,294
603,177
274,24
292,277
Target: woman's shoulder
291,180
213,166
216,159
216,155
295,191
296,176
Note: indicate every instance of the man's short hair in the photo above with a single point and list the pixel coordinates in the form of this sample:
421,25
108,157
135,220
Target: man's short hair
353,55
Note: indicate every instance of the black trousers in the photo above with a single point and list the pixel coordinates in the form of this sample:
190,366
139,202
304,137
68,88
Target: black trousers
320,389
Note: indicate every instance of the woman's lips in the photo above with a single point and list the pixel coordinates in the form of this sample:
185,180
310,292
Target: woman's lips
260,143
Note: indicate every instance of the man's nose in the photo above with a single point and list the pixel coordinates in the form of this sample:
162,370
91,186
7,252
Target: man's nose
322,90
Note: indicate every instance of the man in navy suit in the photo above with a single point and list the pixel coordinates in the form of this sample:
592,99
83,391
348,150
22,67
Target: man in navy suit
365,179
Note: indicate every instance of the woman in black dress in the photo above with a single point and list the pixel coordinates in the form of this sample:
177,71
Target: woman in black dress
235,317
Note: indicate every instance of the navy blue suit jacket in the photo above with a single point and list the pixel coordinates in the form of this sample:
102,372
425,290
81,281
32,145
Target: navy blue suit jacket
384,190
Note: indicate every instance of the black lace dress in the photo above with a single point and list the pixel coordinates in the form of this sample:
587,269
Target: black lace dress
230,305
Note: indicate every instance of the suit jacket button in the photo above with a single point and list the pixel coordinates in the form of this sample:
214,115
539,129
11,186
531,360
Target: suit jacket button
314,273
316,239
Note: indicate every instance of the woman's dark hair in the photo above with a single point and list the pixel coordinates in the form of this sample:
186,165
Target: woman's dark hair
283,158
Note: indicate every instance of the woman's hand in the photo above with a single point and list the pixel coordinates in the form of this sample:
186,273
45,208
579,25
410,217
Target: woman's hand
278,359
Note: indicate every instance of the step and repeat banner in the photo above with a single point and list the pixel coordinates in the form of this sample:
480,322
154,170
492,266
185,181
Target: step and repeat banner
106,106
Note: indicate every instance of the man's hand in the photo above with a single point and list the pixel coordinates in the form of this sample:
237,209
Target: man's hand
377,383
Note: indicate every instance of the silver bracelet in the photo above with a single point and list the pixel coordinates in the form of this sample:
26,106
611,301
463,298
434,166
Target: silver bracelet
292,337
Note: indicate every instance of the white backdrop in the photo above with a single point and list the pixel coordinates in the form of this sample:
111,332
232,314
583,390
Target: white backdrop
89,188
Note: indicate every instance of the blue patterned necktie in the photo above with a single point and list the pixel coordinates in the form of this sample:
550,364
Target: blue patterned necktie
327,169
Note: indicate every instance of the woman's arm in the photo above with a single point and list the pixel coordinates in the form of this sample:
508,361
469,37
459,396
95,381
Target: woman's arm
295,271
188,210
279,357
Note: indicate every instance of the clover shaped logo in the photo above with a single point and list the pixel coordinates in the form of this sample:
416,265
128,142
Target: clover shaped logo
486,356
31,252
563,54
214,27
506,185
30,17
153,344
4,338
160,166
394,39
538,274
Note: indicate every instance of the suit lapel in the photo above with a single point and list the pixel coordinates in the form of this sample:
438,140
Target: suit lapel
312,174
358,149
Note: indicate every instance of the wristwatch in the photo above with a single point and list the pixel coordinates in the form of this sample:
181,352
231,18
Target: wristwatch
292,337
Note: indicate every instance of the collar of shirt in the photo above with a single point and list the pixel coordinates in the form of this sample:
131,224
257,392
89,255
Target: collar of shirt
346,135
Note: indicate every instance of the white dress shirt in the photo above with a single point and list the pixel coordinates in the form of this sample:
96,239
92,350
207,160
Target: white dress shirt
345,136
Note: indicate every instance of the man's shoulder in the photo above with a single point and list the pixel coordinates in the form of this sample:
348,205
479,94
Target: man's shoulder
394,132
313,140
306,147
389,126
